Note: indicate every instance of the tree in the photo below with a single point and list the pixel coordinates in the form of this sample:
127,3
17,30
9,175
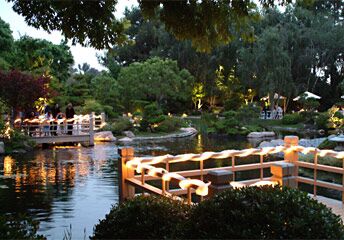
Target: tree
155,80
90,23
20,91
6,45
43,57
205,23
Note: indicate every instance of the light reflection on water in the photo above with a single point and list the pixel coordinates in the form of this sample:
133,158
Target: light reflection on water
77,186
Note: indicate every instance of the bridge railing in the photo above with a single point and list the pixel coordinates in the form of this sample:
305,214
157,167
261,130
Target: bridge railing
79,125
154,175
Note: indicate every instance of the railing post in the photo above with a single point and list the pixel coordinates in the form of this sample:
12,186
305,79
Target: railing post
102,116
91,129
283,173
292,156
125,190
220,180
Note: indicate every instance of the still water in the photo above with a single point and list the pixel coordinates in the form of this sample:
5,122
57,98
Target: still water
76,186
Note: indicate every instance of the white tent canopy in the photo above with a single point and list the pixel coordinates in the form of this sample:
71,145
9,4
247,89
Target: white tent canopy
307,95
276,96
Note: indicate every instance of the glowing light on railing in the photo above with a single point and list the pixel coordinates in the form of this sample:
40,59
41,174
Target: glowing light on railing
236,185
201,187
264,183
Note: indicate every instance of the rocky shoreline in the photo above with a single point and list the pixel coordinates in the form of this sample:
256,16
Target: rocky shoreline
107,136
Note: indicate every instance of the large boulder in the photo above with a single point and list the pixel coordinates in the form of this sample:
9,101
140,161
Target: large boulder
261,134
105,136
2,148
129,134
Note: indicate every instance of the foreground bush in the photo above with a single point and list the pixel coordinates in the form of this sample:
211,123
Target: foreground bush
263,213
249,213
142,217
18,227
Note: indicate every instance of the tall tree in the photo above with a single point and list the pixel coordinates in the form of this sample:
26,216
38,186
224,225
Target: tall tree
155,80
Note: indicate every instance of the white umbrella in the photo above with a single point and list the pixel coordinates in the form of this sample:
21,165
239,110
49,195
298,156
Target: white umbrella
307,95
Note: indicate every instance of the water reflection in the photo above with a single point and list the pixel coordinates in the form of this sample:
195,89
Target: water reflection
76,185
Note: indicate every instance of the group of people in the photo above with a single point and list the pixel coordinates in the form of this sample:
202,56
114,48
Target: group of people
276,113
53,114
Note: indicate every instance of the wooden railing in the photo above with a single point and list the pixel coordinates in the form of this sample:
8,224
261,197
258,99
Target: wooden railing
79,125
154,174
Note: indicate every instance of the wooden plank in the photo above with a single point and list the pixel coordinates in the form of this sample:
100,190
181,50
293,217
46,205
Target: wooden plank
146,187
320,167
320,183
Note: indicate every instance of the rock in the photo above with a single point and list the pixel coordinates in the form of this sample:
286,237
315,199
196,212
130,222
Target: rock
129,134
260,134
2,148
105,136
189,130
19,151
277,142
265,144
125,139
331,136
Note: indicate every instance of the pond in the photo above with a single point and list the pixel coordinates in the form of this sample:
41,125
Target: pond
76,186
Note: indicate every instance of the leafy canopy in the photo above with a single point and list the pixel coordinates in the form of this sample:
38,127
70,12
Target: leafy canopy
93,23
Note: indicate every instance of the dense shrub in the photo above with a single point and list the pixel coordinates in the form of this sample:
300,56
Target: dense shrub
141,218
18,227
152,115
171,124
293,118
262,213
233,103
119,126
322,120
248,113
328,145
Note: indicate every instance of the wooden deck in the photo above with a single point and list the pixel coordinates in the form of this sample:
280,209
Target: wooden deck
336,206
62,139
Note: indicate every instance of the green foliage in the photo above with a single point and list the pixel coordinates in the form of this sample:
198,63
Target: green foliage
92,105
119,126
328,145
155,80
293,118
152,115
18,227
248,113
76,20
309,104
262,213
143,217
171,124
322,120
248,213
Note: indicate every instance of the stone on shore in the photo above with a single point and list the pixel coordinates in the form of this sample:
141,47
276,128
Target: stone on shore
261,134
2,148
125,139
129,134
105,136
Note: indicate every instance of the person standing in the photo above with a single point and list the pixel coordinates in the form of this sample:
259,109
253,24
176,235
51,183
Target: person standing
55,111
70,115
